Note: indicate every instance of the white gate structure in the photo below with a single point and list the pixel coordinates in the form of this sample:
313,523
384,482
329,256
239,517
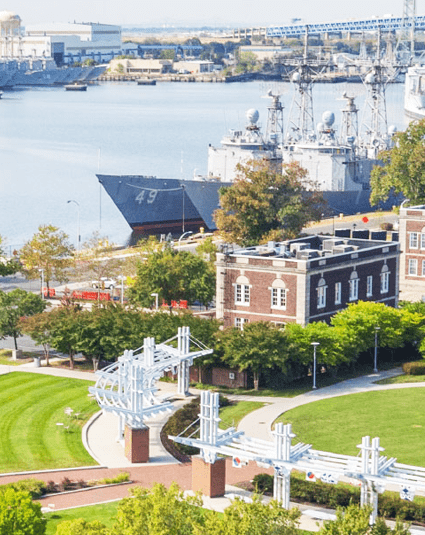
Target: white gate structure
372,470
127,387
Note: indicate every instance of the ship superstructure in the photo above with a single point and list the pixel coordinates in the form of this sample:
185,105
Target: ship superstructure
414,92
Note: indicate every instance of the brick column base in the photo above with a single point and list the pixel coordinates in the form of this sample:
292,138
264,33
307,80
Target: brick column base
136,444
210,479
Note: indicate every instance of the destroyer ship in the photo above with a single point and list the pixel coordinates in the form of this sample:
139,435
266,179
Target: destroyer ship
340,165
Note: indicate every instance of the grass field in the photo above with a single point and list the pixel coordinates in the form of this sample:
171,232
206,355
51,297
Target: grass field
402,379
105,513
337,425
233,414
31,407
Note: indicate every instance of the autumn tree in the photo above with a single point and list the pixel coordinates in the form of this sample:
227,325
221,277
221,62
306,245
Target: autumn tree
404,167
48,250
7,267
14,305
38,327
266,204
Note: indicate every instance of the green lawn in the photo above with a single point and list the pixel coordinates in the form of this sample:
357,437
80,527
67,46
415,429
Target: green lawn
31,407
105,513
233,414
6,357
402,379
338,424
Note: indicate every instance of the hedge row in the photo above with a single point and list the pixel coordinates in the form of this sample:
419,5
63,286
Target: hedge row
389,505
414,368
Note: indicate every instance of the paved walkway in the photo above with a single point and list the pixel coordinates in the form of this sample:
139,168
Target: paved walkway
100,436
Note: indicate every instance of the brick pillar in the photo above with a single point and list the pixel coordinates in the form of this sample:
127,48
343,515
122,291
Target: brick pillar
136,444
210,479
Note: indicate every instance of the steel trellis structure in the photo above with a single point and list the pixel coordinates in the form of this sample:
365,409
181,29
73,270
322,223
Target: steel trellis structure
373,470
127,387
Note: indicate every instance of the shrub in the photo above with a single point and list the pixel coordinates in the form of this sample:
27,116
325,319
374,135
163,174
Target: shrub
34,487
263,483
120,478
414,368
387,226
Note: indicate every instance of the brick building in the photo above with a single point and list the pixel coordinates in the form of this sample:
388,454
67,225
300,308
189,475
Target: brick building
412,244
304,280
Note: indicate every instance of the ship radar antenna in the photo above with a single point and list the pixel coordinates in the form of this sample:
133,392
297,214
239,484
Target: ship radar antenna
274,130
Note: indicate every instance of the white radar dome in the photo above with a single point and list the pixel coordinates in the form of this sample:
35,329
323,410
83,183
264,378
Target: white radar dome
296,77
320,127
252,115
8,16
370,78
328,118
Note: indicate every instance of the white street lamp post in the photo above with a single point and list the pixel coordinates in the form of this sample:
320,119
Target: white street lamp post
314,344
156,299
183,235
78,235
375,359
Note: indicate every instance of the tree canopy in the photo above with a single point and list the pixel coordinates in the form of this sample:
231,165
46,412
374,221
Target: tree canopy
266,204
173,275
404,167
19,514
14,305
48,250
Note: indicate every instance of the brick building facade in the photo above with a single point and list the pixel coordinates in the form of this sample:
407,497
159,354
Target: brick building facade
304,280
412,244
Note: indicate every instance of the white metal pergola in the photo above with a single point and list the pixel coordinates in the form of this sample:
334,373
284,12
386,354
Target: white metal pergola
127,387
371,469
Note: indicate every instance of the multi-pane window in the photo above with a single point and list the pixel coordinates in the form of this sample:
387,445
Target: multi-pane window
413,266
413,240
422,240
279,298
354,287
337,293
242,294
321,296
423,268
385,282
369,286
239,323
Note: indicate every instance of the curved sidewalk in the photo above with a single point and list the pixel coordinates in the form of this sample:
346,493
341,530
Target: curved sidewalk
258,424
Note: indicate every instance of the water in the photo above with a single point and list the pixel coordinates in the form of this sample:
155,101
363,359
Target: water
53,143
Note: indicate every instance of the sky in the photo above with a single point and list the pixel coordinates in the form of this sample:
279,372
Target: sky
201,12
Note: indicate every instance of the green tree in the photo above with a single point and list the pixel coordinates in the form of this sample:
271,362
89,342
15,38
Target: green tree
173,275
19,515
264,203
167,54
159,511
207,250
14,305
48,250
80,526
258,346
255,518
38,327
247,62
65,327
354,520
404,167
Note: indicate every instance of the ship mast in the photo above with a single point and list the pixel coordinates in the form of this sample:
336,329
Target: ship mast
274,130
374,129
301,119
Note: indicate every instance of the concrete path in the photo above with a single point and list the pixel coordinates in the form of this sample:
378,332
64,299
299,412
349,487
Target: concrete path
258,424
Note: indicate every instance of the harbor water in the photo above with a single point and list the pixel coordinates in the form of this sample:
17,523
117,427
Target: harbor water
53,142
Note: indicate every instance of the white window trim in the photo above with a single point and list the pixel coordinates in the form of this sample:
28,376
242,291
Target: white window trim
354,285
321,296
243,302
338,293
411,235
369,286
422,235
385,282
240,322
412,261
279,298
